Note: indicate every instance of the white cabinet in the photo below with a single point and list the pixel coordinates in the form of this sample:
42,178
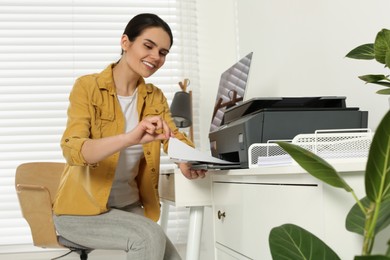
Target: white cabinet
251,202
248,203
246,212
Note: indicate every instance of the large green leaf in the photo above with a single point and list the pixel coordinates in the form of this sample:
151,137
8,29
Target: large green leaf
291,242
372,257
315,165
384,91
382,46
378,79
388,59
382,83
372,78
355,221
377,178
362,52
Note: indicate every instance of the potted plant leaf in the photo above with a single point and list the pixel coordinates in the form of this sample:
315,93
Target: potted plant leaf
369,215
379,50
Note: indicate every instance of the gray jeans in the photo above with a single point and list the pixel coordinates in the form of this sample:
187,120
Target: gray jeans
122,229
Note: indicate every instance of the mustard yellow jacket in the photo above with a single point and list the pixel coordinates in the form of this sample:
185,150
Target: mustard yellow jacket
94,112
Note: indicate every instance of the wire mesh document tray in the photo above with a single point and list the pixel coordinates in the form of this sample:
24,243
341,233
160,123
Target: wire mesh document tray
329,144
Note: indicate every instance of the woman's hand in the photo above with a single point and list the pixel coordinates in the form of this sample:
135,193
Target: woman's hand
191,173
148,130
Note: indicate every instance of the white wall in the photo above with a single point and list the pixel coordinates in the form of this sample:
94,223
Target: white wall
299,48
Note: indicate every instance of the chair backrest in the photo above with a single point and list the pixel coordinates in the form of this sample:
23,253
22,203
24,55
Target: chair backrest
36,184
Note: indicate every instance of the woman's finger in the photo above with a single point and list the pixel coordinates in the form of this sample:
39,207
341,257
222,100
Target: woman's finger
166,129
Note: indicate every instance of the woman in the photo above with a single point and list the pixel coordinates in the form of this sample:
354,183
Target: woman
108,194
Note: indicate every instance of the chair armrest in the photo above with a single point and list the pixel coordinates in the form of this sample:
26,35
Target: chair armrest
36,206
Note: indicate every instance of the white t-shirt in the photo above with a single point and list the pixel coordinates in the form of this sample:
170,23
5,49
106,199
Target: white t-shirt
124,189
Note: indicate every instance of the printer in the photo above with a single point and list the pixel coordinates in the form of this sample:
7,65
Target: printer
260,120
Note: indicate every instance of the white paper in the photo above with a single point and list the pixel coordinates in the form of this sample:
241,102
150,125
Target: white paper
274,160
181,152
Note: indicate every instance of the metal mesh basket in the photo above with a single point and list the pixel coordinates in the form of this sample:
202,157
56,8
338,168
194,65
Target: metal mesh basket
328,144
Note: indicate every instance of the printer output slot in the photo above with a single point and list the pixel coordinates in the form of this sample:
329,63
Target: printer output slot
231,157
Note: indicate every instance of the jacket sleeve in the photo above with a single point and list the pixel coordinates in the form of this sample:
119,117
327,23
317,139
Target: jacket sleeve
78,125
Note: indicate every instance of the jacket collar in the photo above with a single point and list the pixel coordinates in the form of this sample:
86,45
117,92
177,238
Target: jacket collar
105,80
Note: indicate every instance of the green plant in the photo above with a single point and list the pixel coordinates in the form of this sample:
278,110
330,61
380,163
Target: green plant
380,51
369,215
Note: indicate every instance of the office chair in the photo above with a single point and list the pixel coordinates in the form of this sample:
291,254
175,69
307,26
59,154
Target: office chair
36,185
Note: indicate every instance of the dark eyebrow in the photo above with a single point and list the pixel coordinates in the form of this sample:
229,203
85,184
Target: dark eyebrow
152,42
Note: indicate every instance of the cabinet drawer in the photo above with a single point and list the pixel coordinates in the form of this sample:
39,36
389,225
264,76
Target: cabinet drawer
244,213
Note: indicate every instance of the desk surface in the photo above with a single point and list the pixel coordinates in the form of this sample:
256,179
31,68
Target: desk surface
177,190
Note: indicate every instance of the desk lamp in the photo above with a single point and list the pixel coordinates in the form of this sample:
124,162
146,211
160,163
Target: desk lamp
181,107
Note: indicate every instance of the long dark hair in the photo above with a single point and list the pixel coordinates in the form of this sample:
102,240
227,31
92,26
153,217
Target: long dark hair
143,21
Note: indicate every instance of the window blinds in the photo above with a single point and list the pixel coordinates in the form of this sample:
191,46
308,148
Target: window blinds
44,46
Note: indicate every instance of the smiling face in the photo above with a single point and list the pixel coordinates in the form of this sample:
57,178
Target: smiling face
147,53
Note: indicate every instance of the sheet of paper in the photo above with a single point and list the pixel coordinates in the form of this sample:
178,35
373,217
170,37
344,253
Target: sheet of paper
274,160
182,152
